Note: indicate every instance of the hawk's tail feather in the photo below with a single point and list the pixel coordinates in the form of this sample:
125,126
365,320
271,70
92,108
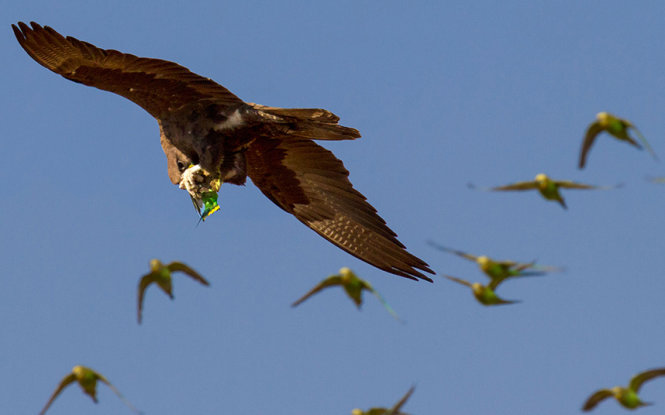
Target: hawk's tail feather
311,123
313,130
316,114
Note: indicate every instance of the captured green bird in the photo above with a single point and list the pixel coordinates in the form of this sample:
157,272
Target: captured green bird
395,410
353,286
485,294
209,204
617,127
500,270
627,397
547,187
87,380
161,275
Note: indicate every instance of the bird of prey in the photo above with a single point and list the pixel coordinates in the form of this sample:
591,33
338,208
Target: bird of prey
500,270
485,294
210,137
547,187
353,286
395,410
617,127
627,397
87,380
161,275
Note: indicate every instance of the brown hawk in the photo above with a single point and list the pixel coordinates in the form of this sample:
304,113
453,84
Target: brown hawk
210,136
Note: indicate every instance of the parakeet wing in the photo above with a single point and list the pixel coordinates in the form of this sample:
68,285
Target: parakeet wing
145,281
158,86
644,141
501,301
459,280
328,282
567,184
495,282
179,266
366,285
591,134
309,182
453,251
596,398
398,406
637,380
63,384
537,269
517,186
522,266
509,263
117,392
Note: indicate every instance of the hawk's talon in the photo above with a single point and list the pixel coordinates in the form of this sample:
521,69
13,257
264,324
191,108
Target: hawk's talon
197,181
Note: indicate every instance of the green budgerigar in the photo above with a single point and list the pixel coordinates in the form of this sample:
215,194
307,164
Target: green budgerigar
209,204
485,294
161,275
498,271
547,187
87,380
207,200
353,286
626,396
615,126
395,410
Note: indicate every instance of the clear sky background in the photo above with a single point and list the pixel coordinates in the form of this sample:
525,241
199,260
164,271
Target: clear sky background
444,93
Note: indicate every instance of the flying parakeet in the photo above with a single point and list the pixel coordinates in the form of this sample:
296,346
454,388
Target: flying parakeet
547,187
87,380
498,271
160,274
615,126
485,294
353,286
626,396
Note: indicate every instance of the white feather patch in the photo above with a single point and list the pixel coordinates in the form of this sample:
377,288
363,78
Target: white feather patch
234,120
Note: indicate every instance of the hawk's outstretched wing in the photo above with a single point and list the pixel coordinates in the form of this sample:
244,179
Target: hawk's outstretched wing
158,86
309,182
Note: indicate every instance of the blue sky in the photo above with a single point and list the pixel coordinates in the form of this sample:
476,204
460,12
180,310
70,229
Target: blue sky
444,93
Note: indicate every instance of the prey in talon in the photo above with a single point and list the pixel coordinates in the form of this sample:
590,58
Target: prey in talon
202,188
209,204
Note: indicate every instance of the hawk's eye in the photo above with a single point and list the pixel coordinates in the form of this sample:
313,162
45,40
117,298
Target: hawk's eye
181,166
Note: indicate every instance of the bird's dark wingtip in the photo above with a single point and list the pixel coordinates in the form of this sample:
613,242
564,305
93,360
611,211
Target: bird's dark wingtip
414,274
18,33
